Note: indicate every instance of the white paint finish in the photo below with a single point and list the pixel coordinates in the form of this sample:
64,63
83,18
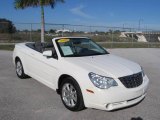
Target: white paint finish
107,65
48,71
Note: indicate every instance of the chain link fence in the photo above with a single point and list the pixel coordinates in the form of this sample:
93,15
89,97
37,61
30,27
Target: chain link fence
110,37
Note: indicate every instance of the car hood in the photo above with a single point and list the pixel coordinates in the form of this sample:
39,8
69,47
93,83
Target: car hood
108,65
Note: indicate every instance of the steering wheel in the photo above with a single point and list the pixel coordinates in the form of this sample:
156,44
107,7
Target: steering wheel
83,50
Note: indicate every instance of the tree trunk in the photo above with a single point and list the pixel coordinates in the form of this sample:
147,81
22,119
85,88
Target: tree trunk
42,24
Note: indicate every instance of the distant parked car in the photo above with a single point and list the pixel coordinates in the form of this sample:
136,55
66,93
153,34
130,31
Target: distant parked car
82,72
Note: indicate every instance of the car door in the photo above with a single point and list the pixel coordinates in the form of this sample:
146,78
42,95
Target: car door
44,69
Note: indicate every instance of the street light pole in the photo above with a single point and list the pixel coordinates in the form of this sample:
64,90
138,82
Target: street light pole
139,25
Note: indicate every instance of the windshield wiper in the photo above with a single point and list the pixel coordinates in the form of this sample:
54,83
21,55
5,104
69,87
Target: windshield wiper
97,54
81,55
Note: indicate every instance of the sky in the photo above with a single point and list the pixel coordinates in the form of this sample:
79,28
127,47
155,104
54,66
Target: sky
120,13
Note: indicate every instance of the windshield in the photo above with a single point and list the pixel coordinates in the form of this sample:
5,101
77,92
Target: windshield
77,47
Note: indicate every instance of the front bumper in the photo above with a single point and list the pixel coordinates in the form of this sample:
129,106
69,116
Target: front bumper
117,97
117,105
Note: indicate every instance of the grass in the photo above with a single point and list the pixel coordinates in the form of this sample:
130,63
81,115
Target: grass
106,45
131,45
7,47
106,40
36,36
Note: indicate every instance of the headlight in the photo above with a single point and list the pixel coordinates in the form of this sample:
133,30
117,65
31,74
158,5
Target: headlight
143,74
102,82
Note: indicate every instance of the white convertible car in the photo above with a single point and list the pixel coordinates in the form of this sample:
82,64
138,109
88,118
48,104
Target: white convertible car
82,72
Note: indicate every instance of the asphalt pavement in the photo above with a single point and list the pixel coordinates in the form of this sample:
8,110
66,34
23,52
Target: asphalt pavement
27,99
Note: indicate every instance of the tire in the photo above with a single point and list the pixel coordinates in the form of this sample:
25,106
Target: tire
19,70
71,94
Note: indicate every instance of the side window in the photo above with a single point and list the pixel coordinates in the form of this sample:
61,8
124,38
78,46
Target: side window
48,46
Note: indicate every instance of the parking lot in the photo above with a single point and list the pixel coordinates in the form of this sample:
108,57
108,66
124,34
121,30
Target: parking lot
27,99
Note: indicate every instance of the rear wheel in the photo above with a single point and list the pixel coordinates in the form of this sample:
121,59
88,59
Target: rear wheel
19,69
71,95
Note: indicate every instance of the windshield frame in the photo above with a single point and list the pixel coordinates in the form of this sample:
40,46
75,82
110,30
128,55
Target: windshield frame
62,55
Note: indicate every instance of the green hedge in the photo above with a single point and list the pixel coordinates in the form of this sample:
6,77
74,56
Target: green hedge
7,47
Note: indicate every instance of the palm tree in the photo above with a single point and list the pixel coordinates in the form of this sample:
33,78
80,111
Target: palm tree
21,4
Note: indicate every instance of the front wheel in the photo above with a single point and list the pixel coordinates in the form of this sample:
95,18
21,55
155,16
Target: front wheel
19,69
71,95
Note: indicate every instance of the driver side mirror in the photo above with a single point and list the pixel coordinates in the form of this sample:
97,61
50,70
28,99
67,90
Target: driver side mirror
47,53
50,54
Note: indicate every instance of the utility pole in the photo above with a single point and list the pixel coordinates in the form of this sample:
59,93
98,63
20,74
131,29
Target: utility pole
123,26
139,24
31,33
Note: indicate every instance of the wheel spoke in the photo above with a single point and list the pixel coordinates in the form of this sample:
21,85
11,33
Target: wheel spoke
65,90
72,89
68,87
72,102
68,102
75,98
